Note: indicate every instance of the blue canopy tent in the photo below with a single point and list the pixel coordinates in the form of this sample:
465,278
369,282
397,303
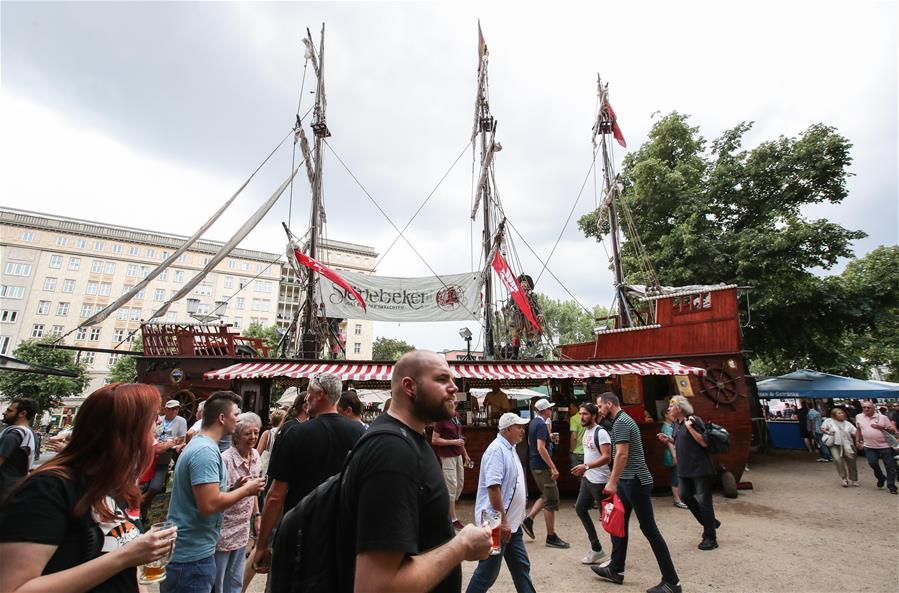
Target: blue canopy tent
806,384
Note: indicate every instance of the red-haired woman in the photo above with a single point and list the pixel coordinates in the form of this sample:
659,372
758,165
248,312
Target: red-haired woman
60,529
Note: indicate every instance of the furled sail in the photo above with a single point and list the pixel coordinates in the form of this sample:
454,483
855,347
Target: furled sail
223,252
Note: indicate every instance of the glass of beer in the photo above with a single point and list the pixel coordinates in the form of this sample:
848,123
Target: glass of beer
154,572
493,519
554,437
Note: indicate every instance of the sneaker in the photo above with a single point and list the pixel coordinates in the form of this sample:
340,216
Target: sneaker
604,572
856,484
894,491
528,526
664,587
680,504
593,557
554,541
457,525
881,482
708,543
821,460
845,483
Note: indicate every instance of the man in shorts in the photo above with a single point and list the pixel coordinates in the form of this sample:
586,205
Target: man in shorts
545,474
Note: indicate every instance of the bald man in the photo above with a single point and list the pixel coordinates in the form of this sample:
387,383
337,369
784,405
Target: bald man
394,499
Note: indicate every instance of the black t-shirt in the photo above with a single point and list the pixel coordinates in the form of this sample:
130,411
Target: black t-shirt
386,506
693,460
16,464
310,453
41,512
802,414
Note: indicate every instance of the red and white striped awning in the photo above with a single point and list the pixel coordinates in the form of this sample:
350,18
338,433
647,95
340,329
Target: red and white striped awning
508,370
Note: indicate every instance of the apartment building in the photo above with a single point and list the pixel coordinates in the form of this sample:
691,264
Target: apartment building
358,334
57,271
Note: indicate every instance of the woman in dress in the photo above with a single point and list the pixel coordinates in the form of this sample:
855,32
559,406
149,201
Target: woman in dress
839,435
669,458
60,528
242,463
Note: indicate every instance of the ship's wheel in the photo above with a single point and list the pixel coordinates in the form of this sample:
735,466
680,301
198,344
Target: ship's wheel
719,383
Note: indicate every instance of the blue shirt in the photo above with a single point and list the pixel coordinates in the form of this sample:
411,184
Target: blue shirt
199,463
537,430
814,418
499,466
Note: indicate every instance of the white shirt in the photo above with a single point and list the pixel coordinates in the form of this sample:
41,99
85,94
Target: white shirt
196,426
515,512
596,475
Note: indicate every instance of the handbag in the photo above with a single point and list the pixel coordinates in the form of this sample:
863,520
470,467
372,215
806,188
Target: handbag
613,515
828,439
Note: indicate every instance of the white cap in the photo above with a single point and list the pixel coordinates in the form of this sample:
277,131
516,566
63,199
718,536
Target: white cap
543,404
173,403
510,418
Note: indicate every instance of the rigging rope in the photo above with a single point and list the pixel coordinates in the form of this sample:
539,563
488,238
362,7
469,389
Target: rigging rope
422,205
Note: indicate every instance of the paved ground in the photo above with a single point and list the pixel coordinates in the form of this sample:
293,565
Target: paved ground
797,531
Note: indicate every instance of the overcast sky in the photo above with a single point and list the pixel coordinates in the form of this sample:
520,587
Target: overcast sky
152,114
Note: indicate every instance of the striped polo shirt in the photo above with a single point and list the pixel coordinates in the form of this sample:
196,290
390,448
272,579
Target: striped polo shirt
625,430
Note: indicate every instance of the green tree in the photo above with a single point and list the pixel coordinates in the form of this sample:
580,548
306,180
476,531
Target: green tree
389,349
46,390
719,213
268,333
566,322
124,370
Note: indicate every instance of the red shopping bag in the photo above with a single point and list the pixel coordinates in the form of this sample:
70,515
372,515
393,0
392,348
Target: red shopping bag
613,515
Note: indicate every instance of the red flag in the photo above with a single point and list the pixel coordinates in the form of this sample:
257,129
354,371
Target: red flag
505,274
616,131
312,264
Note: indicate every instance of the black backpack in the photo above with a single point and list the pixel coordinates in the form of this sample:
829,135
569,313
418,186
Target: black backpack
307,555
717,438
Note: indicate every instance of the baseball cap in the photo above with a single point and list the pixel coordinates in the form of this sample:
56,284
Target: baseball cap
543,404
510,418
173,403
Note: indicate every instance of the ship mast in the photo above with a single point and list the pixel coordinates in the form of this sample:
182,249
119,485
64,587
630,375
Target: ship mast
310,336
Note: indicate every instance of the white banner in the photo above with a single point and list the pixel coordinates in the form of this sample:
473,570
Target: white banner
431,298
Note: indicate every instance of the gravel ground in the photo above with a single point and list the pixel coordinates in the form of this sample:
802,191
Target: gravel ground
797,531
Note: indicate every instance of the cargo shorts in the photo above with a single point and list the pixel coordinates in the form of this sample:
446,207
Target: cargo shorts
549,488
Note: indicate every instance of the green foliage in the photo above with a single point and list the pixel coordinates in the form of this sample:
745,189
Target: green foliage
389,349
565,322
46,390
268,333
124,370
719,213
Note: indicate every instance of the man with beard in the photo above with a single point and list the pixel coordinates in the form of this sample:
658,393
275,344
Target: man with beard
16,442
394,503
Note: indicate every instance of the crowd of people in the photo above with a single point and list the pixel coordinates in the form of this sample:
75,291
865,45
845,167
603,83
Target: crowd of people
838,434
79,522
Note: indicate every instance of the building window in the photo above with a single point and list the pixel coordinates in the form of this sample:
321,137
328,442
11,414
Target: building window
98,245
171,317
96,266
263,286
135,314
238,322
37,330
179,276
12,292
43,307
49,284
62,309
358,329
105,288
68,285
182,258
86,310
133,251
357,348
16,269
203,289
57,331
27,236
61,241
144,271
159,295
239,303
110,268
117,248
245,266
74,263
164,255
118,335
122,314
95,334
87,357
113,358
131,270
232,265
55,261
79,243
151,252
8,316
81,333
91,288
4,344
229,281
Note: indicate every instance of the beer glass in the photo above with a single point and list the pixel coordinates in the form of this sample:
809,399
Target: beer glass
554,437
154,572
493,519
